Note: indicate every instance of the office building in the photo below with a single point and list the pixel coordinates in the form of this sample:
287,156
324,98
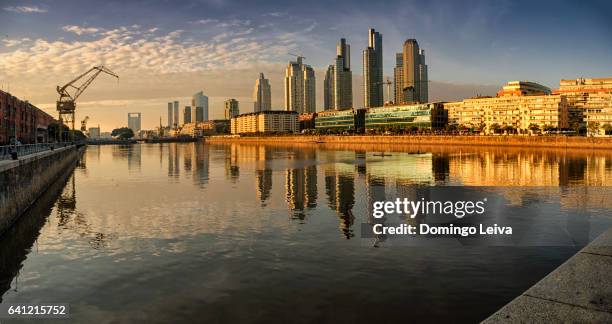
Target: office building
94,132
134,122
300,95
231,108
175,114
187,115
426,115
262,98
517,111
337,121
170,116
200,100
373,70
414,74
523,88
270,121
590,103
338,84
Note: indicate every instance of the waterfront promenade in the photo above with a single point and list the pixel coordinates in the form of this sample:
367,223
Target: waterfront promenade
455,140
579,291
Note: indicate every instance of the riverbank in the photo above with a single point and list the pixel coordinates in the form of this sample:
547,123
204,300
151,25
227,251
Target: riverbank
458,140
576,292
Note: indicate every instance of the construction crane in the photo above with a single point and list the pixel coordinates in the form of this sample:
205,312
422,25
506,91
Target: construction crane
66,104
388,84
84,124
300,57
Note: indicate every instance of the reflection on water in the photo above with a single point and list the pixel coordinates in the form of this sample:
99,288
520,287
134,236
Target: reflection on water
231,232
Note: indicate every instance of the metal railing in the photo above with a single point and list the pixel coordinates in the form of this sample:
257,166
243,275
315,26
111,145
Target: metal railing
7,151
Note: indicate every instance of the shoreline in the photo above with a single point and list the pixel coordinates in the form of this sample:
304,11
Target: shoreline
455,140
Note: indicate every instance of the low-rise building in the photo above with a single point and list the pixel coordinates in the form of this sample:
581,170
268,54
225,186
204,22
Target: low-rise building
21,119
307,121
270,121
510,113
590,103
426,115
351,120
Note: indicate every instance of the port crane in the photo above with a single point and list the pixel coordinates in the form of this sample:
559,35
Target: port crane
66,104
84,124
299,57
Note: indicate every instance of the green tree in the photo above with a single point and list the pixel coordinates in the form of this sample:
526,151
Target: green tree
122,133
495,127
534,128
607,128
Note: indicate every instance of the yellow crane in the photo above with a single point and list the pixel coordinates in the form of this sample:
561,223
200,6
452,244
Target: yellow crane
66,104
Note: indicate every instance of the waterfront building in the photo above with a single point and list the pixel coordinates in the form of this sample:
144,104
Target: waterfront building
414,74
300,92
262,98
510,114
398,79
94,132
425,115
231,109
351,120
523,88
22,119
270,121
187,115
307,121
175,114
328,88
170,116
338,85
134,122
590,103
200,100
373,70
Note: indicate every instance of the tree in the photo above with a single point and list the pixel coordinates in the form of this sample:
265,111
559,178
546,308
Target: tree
607,129
593,128
494,128
534,128
122,133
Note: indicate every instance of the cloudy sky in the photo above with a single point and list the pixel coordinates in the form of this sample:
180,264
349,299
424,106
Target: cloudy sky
168,50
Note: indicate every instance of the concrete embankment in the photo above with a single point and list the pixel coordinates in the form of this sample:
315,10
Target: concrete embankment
579,291
26,179
516,141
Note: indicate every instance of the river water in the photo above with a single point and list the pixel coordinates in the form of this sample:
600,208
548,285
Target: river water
200,232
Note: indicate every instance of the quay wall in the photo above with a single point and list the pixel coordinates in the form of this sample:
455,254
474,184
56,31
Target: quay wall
23,181
517,141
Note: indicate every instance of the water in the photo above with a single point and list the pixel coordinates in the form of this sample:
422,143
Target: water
255,233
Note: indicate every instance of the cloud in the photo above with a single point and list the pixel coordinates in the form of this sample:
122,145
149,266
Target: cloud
15,42
206,21
26,9
234,23
80,30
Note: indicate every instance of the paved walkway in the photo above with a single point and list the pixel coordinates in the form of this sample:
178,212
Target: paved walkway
579,291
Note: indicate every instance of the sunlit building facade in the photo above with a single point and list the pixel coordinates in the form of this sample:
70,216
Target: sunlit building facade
300,94
428,115
340,120
590,103
272,121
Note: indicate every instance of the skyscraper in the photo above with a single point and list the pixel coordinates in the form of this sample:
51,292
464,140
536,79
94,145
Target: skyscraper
373,70
415,88
398,78
328,88
338,86
199,114
231,108
175,118
200,100
134,119
170,114
187,115
300,92
262,99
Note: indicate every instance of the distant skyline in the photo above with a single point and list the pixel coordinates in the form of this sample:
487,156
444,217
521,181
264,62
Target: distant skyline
165,51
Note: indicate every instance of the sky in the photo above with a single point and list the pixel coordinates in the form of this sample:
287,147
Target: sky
169,50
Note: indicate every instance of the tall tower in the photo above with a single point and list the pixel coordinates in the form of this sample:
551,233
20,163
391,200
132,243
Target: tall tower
262,100
343,77
231,108
328,89
175,118
415,73
398,79
200,100
300,92
170,115
373,70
